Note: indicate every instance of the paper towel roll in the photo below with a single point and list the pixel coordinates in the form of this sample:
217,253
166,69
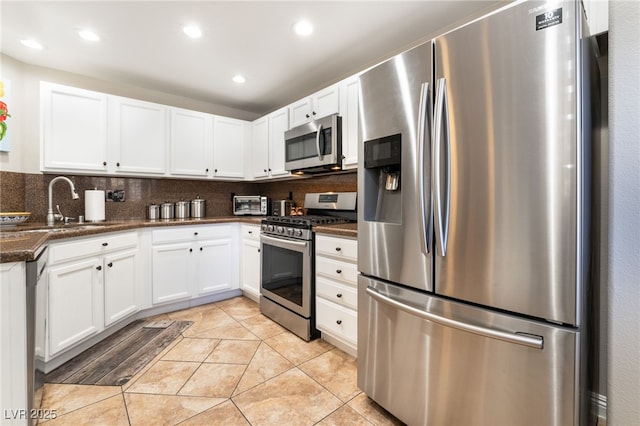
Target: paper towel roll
94,205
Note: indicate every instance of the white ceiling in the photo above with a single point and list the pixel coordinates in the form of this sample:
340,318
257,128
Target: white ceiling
142,42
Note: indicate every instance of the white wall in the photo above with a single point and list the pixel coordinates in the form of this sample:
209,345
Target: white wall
623,388
25,107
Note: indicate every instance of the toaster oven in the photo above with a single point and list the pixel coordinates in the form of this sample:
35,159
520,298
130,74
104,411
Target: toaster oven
250,205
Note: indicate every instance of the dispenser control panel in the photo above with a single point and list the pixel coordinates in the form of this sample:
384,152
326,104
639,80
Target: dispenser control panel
383,152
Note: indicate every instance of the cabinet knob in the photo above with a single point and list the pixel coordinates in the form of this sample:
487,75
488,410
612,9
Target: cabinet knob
200,248
250,232
105,244
104,163
215,170
314,113
207,170
269,169
99,268
110,264
190,250
338,249
339,322
258,250
118,164
338,271
339,295
307,115
264,170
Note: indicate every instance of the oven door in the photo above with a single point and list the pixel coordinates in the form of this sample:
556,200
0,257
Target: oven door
286,273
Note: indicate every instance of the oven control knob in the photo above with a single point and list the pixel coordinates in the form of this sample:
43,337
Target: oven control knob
264,228
298,233
280,230
289,231
270,228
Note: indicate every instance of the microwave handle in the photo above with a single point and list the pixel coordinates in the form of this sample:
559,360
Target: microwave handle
318,132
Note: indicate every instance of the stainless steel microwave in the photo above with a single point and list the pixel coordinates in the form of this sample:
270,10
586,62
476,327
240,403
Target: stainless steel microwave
250,205
315,146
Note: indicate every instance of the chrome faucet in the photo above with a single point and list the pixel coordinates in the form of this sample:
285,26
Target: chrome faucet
51,217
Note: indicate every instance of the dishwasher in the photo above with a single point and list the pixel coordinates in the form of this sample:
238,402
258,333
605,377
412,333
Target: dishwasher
36,277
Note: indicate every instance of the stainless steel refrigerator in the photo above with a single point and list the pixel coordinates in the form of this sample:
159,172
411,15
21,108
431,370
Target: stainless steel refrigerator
473,223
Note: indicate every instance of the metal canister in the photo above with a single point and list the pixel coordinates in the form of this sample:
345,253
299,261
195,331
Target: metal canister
198,208
153,211
166,210
182,209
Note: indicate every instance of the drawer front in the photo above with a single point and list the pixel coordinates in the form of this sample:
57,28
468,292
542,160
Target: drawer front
191,233
342,294
337,269
250,232
343,248
336,320
91,246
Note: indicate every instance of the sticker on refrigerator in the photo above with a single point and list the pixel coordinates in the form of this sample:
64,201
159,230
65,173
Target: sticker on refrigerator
549,19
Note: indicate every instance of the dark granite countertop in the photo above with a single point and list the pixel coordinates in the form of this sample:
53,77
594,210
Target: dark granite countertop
339,229
24,242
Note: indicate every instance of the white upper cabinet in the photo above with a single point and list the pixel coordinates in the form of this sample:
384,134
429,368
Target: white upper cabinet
74,129
278,124
320,104
229,137
349,110
191,143
260,148
137,137
597,12
268,144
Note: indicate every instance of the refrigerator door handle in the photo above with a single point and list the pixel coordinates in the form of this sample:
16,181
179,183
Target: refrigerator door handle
424,130
532,341
441,119
318,132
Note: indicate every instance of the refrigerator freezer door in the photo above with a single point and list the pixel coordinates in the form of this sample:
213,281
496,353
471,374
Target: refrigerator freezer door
509,190
431,361
394,210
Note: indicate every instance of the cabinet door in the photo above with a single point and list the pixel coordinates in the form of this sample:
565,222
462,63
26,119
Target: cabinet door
250,268
260,152
228,147
278,124
300,112
349,109
120,286
138,137
74,129
75,303
191,143
216,266
326,102
171,272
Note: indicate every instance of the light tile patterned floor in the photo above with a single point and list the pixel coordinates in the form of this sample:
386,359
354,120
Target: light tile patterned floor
233,366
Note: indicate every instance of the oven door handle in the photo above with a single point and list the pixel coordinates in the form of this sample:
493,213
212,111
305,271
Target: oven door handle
287,244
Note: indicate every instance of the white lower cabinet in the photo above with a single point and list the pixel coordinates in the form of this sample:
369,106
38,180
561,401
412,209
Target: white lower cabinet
250,261
336,290
91,285
191,261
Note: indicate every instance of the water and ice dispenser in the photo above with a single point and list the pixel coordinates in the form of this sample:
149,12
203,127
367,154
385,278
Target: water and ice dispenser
382,181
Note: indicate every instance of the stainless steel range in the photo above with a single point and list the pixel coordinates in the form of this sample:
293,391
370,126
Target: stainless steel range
287,289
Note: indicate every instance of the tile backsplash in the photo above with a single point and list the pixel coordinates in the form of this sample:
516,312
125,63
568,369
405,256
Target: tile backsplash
29,192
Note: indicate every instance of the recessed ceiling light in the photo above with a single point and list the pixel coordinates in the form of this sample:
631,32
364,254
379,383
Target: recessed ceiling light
303,28
89,35
32,44
239,79
192,31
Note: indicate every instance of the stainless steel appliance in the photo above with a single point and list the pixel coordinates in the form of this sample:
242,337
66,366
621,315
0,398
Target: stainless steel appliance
35,276
287,290
472,223
315,146
250,205
282,207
